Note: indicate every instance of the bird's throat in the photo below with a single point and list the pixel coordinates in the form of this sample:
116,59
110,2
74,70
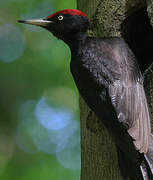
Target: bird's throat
75,40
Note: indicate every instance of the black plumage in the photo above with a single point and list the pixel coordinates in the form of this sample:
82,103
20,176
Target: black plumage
109,80
109,68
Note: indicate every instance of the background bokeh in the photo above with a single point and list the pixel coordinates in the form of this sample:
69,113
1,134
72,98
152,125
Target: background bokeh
39,114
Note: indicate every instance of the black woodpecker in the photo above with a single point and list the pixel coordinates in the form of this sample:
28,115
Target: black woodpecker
108,78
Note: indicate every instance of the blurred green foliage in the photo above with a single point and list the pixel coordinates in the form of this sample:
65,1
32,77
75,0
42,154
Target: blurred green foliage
34,65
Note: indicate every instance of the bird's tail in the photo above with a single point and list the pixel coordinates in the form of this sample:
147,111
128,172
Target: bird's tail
147,164
146,169
140,170
129,169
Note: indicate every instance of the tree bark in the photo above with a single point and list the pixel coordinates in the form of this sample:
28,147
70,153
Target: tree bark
149,78
98,153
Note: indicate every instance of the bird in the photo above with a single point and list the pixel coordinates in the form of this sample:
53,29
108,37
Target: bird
107,75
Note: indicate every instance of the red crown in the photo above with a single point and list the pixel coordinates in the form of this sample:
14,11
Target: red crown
69,11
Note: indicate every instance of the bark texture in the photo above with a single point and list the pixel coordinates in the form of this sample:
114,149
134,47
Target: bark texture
98,152
149,78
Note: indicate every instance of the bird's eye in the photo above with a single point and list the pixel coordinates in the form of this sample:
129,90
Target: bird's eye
60,18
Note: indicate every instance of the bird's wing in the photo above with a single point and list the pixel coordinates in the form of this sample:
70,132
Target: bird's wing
132,110
128,97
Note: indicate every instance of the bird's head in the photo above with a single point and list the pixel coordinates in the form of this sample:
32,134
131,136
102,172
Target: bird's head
65,24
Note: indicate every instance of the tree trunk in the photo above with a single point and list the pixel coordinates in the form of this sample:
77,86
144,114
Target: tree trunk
109,18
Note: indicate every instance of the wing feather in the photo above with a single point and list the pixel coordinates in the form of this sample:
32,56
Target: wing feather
128,97
132,110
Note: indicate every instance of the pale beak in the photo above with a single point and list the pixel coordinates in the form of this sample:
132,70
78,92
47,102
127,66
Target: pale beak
37,22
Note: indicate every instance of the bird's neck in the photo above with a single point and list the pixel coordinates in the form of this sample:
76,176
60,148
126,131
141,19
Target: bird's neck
75,40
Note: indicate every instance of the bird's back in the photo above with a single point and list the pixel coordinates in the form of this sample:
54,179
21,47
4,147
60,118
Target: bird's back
108,78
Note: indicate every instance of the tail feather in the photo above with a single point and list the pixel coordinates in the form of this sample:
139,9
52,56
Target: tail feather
146,170
129,169
149,155
140,170
147,162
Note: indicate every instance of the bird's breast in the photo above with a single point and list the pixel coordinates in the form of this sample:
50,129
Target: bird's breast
90,86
